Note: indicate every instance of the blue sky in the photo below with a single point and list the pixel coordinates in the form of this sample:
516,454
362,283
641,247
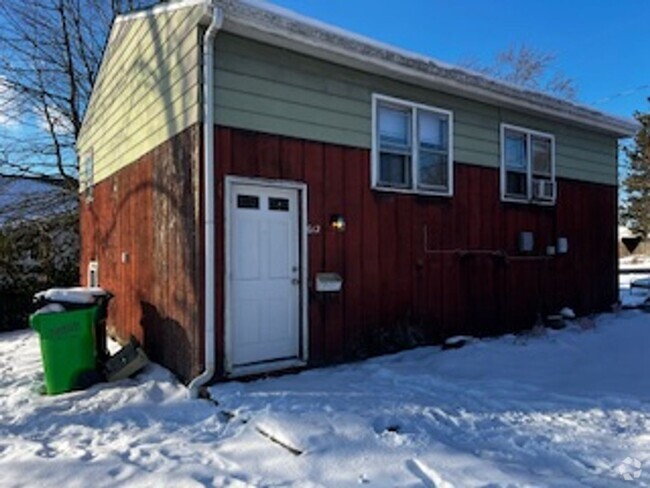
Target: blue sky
602,45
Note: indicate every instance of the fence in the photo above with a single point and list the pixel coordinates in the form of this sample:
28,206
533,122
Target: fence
14,310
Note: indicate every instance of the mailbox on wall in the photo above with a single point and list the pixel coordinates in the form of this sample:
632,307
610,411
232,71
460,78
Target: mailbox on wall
328,282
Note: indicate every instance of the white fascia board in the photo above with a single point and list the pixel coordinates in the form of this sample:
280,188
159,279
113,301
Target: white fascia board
277,26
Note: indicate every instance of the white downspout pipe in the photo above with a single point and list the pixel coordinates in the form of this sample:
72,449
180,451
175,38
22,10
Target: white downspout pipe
209,198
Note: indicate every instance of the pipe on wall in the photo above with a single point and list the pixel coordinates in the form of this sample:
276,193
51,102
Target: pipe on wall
209,199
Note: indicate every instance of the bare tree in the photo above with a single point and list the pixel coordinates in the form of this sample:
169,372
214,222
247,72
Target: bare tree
528,67
50,53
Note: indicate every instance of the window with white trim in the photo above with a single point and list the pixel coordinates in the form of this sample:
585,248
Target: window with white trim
412,147
527,165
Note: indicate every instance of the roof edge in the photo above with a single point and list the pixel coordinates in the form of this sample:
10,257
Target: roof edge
160,9
118,24
256,19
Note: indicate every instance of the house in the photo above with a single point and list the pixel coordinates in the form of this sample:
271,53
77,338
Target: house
241,163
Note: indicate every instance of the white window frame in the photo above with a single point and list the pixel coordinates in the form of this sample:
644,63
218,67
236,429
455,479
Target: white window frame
415,186
529,133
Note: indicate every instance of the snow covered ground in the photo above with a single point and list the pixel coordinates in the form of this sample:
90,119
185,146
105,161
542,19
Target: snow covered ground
629,295
559,409
635,261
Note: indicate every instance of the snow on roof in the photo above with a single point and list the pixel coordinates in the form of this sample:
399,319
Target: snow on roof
251,18
159,9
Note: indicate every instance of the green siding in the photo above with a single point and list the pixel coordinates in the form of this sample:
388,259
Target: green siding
269,89
148,89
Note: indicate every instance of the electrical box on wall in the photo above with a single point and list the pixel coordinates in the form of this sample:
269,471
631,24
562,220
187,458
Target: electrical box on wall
328,282
93,274
526,241
562,245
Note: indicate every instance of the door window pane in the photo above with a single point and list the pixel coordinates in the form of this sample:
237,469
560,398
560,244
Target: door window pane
281,204
248,201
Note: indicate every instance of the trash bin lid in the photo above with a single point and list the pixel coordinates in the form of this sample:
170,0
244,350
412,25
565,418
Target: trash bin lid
79,295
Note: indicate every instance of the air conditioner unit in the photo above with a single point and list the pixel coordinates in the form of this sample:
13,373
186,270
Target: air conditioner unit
543,190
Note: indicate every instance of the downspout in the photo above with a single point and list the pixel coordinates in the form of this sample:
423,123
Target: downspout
208,201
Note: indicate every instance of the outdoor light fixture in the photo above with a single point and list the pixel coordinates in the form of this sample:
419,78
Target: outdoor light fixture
337,223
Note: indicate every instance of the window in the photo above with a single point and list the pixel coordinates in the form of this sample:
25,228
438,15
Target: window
89,175
527,165
248,201
280,204
412,147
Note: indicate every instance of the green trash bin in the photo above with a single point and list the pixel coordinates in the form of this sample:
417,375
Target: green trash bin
67,348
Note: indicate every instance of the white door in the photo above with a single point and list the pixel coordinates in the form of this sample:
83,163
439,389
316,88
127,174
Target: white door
264,274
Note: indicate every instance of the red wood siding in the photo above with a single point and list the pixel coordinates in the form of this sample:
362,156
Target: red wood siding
150,211
471,280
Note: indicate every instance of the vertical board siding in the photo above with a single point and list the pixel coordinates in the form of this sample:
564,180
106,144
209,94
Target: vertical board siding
142,228
395,288
468,279
315,176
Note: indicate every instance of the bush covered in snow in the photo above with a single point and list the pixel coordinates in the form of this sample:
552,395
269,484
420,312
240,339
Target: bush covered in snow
34,255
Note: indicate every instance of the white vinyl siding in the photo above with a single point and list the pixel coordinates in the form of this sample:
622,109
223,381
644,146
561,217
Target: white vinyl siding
147,91
278,91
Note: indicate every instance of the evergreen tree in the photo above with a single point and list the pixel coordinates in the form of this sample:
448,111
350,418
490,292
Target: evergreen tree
636,208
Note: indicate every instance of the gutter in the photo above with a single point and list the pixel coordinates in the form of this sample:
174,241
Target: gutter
209,199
